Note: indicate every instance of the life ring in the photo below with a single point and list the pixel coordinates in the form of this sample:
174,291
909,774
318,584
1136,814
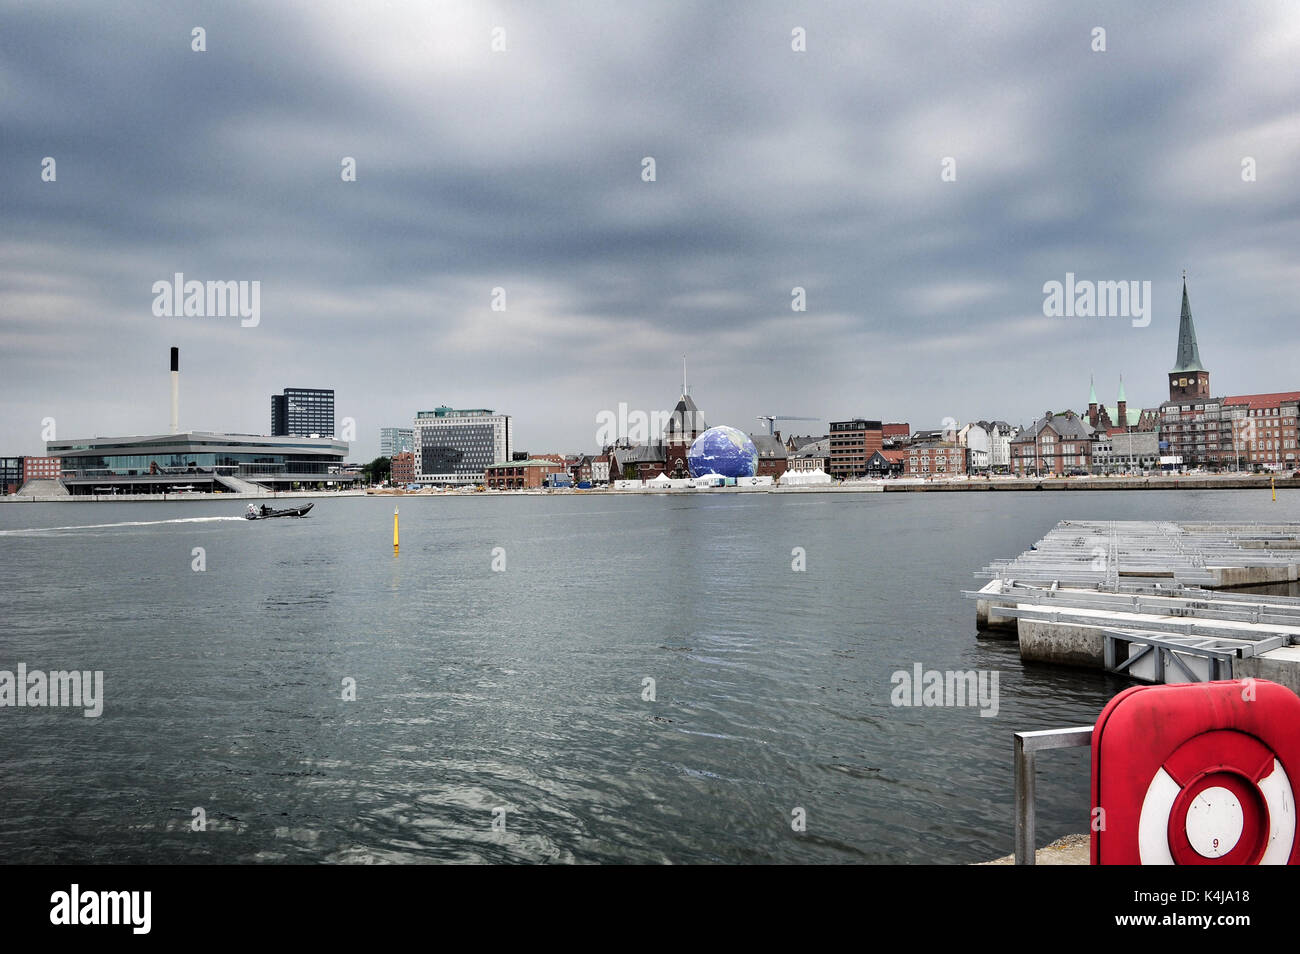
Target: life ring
1197,774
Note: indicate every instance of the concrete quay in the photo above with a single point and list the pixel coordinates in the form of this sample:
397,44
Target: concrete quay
1147,600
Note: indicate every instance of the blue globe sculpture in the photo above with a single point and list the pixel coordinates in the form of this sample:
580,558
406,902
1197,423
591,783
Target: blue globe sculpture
725,451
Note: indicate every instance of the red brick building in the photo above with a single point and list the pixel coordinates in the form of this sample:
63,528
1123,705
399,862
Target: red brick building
895,432
522,474
851,445
934,459
42,468
1057,444
403,468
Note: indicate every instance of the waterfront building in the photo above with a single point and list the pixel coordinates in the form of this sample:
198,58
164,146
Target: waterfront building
898,432
396,440
935,458
1125,452
815,455
600,469
457,446
1264,430
1244,431
772,455
999,436
1054,444
303,412
636,462
796,442
402,468
887,463
978,443
11,474
684,425
204,460
852,443
522,474
41,468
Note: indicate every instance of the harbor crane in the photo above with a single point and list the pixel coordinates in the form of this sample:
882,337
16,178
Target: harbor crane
773,418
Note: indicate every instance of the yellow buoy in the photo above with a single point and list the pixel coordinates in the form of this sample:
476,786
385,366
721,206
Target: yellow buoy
1272,482
394,531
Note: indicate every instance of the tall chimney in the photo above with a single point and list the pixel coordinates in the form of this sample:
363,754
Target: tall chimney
176,390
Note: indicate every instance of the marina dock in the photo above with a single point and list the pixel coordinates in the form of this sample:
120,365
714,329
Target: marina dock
1147,599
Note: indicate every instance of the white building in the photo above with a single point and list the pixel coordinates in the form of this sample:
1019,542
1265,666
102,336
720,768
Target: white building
976,440
457,446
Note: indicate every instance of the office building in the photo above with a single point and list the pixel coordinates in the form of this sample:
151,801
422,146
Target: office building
458,446
303,412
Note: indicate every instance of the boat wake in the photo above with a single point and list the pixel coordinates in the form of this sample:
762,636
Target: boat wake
109,526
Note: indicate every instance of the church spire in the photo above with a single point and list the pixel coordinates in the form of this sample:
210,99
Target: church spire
1092,390
1189,355
1122,399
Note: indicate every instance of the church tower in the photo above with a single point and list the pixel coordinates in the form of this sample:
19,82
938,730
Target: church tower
1188,379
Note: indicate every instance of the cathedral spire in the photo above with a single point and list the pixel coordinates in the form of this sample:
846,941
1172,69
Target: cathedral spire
1189,355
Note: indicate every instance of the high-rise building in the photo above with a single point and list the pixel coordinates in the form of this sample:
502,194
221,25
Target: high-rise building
851,445
396,440
458,446
303,412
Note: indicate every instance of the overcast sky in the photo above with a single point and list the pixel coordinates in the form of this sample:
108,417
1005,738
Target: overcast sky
523,169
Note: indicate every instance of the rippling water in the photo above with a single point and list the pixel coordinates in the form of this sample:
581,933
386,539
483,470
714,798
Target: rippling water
479,690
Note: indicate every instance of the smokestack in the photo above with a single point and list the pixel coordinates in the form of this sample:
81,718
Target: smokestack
176,390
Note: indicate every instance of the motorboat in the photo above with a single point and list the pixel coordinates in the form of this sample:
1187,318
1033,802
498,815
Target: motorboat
266,513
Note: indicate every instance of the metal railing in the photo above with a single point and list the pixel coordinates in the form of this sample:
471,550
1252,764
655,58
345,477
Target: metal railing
1027,744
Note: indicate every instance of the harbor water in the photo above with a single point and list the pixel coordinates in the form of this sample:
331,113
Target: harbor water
567,678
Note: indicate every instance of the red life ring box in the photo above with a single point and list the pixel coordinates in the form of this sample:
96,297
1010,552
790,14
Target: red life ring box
1200,774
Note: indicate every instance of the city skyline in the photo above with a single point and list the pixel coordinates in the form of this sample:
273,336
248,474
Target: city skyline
776,169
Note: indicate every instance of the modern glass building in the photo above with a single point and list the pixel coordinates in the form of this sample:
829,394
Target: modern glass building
11,474
396,440
458,446
303,412
199,459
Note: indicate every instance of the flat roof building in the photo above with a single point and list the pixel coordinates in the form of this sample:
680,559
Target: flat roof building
204,460
458,446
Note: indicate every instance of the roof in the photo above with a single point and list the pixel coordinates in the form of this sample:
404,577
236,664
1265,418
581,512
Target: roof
893,456
1255,401
686,419
1189,355
531,462
769,447
1069,427
821,448
638,453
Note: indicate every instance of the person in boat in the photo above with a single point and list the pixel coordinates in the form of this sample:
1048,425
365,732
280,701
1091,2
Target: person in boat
265,509
252,510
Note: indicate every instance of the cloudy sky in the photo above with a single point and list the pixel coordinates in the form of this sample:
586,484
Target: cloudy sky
522,169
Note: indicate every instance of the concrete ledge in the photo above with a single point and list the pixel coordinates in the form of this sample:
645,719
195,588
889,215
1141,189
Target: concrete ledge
1062,644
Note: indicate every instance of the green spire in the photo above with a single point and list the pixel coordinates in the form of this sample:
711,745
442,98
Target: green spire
1121,389
1189,355
1092,391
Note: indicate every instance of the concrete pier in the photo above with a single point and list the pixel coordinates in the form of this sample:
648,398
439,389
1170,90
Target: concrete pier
1147,600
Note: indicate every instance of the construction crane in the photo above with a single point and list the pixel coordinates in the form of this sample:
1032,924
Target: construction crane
773,418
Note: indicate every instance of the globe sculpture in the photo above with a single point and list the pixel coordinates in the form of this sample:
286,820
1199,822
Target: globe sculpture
725,451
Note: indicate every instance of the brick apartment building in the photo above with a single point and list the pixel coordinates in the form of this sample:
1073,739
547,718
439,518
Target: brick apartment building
934,458
42,468
851,445
522,474
403,468
1057,444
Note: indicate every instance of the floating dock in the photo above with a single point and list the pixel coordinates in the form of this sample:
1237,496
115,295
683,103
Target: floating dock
1144,599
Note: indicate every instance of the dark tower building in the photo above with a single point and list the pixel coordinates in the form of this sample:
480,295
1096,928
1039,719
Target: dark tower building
1188,379
303,412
